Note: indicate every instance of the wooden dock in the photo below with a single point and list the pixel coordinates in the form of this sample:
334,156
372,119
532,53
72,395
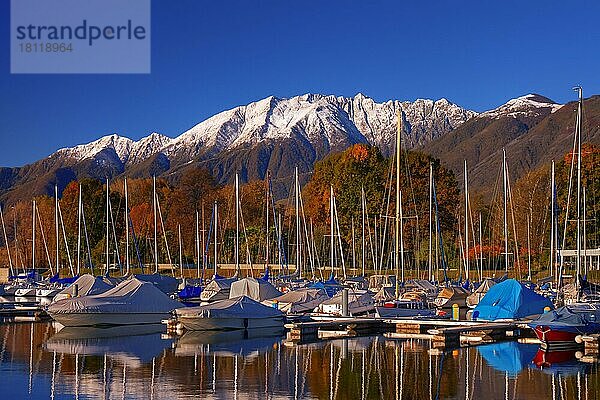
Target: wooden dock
22,312
449,333
442,332
302,332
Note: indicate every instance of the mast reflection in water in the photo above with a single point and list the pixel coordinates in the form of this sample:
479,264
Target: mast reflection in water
38,362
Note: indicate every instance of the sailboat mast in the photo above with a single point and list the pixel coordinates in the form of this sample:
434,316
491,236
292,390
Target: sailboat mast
79,203
127,265
552,224
429,272
216,238
56,229
197,248
107,226
237,225
363,203
33,237
480,247
398,200
401,242
505,179
353,249
155,224
180,250
466,224
585,264
297,192
267,220
201,240
331,230
528,247
578,132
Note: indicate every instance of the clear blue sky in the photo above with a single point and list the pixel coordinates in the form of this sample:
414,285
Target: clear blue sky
208,56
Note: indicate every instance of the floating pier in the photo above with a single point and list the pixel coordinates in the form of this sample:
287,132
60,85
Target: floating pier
22,312
443,333
302,332
591,348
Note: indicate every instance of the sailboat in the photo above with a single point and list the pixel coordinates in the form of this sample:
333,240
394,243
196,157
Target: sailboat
565,323
410,304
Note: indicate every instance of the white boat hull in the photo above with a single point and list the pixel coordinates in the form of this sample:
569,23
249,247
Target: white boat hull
46,292
398,312
108,319
25,292
208,324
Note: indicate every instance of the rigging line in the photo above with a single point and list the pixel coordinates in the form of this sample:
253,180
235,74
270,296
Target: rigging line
162,225
112,223
87,241
65,239
248,255
37,211
512,213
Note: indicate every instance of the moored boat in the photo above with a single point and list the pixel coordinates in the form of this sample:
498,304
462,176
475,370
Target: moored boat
236,313
132,302
560,327
299,301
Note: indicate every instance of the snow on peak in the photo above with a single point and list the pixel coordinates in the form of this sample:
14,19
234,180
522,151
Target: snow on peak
126,149
528,105
120,144
322,120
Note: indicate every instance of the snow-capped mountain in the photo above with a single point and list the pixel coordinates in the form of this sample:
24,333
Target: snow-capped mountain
530,105
273,134
277,134
322,123
127,150
334,121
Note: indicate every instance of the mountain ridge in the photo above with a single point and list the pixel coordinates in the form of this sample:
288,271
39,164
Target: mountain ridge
277,134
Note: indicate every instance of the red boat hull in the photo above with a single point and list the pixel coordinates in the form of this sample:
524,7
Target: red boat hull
550,336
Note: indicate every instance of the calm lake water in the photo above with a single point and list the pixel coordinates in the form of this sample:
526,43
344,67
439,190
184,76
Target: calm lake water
38,362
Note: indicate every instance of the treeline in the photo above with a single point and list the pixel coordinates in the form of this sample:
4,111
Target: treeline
188,203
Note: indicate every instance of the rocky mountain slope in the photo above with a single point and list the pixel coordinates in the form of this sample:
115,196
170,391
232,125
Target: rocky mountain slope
532,129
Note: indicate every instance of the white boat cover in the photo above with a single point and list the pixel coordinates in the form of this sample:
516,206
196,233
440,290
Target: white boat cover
217,289
86,285
357,301
238,307
300,300
479,293
130,296
256,289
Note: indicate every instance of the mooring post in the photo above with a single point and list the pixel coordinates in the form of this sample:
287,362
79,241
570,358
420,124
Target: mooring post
345,303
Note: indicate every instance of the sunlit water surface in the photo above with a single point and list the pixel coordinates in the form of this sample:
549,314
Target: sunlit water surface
39,362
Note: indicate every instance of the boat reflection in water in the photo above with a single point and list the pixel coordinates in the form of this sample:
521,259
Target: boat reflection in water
560,362
132,345
38,362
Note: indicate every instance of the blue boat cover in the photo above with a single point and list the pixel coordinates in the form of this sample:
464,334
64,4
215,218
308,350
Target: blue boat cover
331,286
510,299
190,292
265,276
508,357
67,281
571,319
